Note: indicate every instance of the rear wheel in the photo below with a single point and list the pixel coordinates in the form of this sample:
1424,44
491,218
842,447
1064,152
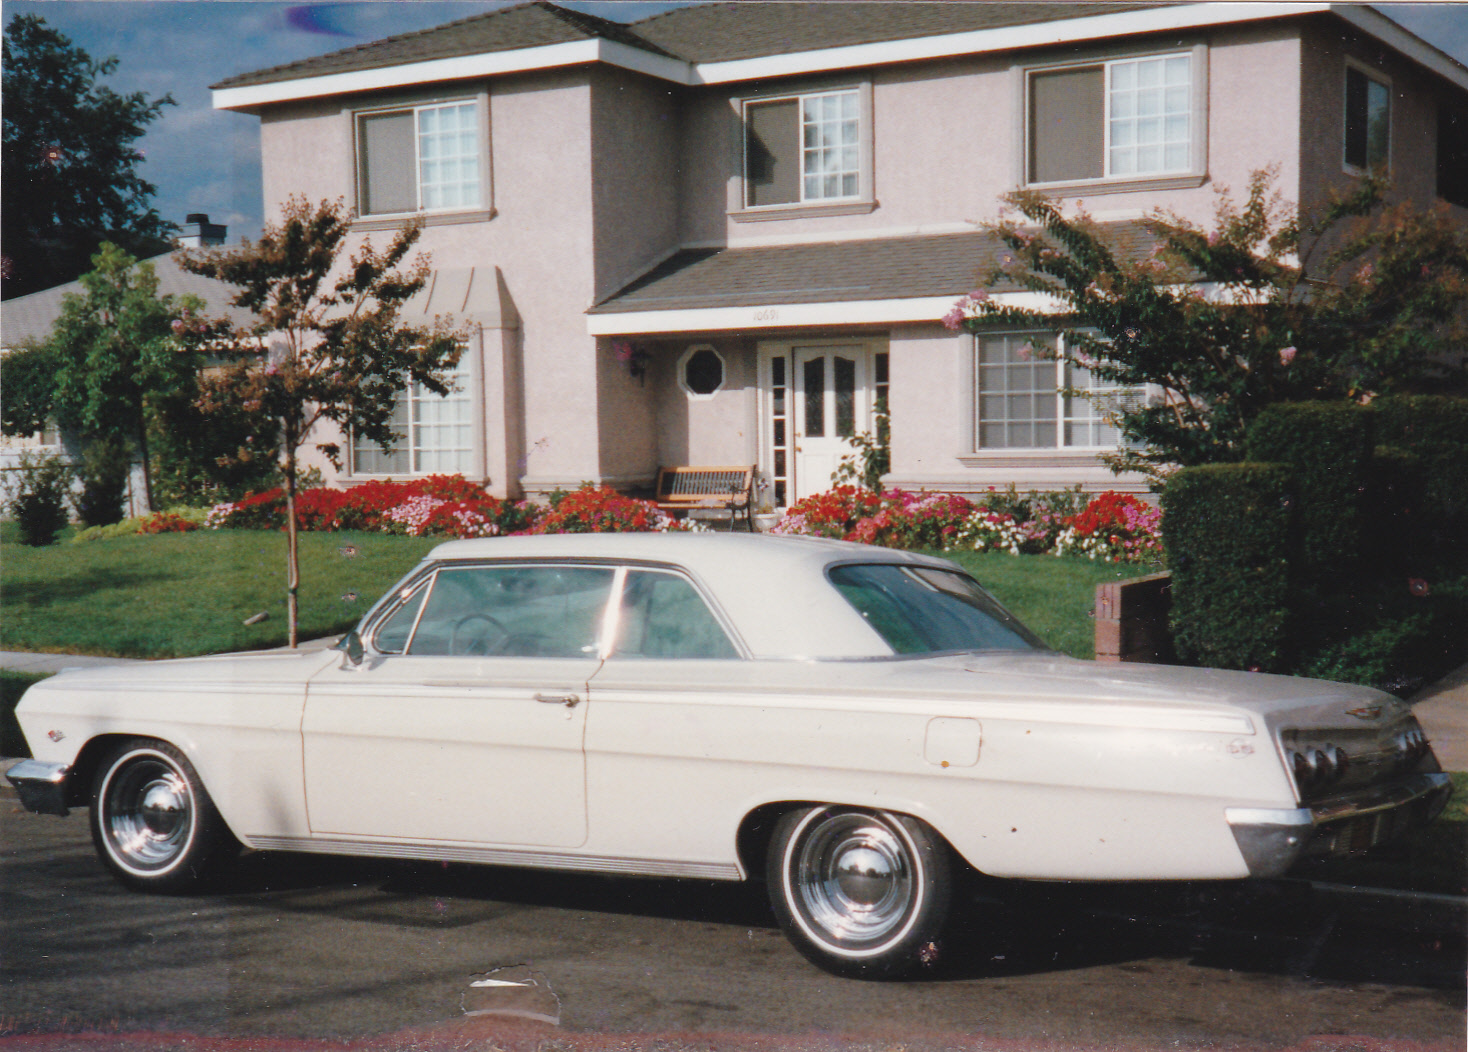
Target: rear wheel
153,823
860,893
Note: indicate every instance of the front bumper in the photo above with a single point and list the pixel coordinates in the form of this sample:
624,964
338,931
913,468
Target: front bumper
41,786
1274,839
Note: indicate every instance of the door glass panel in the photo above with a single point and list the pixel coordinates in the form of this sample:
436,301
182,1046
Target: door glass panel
392,633
514,611
663,616
845,379
815,398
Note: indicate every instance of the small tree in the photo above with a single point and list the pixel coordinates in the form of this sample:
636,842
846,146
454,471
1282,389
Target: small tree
116,355
1363,300
329,342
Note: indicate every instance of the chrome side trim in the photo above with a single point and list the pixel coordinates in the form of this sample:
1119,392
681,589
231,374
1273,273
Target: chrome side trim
1379,798
643,867
41,786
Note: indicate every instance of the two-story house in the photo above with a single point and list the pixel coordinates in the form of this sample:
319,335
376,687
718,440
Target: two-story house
721,235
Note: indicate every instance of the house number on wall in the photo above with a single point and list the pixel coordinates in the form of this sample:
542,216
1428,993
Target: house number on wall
767,315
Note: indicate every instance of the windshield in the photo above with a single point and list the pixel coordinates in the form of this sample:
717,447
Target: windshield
921,610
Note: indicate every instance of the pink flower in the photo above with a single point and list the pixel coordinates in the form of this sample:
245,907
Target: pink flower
1286,355
978,296
954,318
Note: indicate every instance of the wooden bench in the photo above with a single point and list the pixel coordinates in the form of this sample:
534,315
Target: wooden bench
685,489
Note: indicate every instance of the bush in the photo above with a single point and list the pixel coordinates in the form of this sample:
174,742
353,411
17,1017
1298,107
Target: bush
597,509
1433,430
1395,634
1328,447
103,475
436,506
1226,529
169,520
833,513
1114,527
39,503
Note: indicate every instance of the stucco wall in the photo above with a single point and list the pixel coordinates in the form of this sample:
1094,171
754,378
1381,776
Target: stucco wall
947,138
540,235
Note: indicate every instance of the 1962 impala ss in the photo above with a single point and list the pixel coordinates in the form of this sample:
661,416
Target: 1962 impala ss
847,722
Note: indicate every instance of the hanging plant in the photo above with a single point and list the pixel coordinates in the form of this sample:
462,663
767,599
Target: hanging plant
634,357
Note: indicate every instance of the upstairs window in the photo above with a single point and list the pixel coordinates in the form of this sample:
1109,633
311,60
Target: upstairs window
1123,119
1368,120
422,158
803,149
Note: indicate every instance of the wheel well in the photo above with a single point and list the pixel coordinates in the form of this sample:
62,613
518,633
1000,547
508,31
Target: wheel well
758,827
753,841
84,767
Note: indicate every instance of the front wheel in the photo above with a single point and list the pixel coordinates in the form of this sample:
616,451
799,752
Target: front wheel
153,823
860,893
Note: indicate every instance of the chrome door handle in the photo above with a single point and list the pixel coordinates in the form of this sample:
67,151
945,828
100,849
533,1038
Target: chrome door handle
568,700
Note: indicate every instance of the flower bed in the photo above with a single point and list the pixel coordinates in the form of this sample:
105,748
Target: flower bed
441,506
1113,527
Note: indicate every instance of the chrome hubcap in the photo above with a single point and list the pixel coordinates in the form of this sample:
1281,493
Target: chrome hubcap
853,877
148,814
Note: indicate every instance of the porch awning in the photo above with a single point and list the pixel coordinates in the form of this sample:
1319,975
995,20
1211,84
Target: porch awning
875,281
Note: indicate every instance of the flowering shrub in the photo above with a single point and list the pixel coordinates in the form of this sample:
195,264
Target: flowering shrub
167,522
913,520
833,513
597,509
1114,527
436,506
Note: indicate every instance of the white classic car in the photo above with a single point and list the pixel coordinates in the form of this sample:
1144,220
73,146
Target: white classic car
852,724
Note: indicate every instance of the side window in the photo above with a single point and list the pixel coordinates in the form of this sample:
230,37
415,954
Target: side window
419,158
1368,120
513,611
1122,119
393,631
663,616
805,149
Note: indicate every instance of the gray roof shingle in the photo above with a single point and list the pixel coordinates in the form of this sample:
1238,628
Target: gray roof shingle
832,272
528,25
31,317
731,31
701,33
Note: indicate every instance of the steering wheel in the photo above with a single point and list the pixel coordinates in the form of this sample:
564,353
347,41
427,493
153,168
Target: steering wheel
465,640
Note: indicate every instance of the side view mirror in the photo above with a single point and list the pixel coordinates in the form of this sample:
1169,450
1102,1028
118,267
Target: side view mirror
352,647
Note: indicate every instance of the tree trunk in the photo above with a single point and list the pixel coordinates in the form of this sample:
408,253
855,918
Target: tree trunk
292,556
147,467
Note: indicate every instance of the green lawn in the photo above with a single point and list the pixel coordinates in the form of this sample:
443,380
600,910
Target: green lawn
181,594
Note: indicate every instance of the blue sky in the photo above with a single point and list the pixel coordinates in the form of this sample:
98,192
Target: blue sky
204,160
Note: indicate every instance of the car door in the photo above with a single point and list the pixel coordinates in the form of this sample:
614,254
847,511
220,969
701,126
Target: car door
465,719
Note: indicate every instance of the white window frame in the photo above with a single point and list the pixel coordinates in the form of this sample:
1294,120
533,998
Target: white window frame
683,361
862,201
482,209
1372,75
462,386
1092,417
1194,174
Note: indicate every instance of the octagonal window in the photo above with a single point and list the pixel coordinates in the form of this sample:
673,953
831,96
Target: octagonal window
702,372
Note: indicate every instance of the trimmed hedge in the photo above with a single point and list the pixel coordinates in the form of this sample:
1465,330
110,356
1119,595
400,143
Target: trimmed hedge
1328,446
1226,530
1423,442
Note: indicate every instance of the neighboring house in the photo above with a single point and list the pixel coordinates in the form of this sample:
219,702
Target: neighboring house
28,319
723,234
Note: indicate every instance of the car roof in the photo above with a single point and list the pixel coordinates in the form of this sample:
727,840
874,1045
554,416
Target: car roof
772,588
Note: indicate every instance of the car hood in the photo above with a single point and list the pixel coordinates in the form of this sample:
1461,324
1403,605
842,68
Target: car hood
246,667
